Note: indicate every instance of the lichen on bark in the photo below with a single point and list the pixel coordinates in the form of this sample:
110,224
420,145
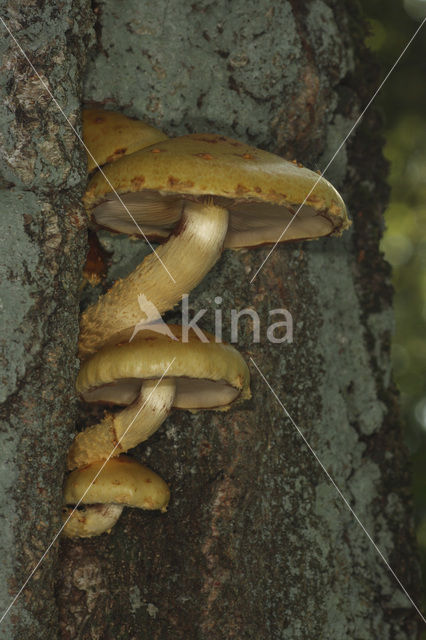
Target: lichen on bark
42,248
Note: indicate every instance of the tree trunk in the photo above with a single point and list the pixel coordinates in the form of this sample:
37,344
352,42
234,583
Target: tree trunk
43,244
256,542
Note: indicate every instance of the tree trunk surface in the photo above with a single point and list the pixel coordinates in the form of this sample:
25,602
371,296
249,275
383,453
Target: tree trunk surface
256,542
42,248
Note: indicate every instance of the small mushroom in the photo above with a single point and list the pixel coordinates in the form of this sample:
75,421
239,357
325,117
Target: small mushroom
202,375
104,489
109,135
203,192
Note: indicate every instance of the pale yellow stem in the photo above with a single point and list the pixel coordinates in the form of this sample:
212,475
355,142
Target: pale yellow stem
176,268
117,433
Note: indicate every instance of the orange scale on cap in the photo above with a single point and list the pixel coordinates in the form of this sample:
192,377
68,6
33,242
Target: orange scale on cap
138,181
205,156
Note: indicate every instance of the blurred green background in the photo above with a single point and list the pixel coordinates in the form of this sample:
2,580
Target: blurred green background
403,105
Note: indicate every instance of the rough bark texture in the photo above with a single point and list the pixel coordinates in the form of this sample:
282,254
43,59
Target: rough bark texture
256,543
42,246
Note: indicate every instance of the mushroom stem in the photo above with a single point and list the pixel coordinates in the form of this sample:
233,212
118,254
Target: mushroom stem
176,268
91,520
117,433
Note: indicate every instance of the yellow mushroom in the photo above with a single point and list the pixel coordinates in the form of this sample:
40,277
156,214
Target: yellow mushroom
203,193
104,489
202,375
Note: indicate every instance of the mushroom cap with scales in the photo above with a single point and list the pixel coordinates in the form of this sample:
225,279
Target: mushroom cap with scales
260,190
109,135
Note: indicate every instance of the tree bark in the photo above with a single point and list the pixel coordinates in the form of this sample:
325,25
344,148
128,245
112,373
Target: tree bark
43,244
256,542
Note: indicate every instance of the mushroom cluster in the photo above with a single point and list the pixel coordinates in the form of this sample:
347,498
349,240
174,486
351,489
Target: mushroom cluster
198,194
199,375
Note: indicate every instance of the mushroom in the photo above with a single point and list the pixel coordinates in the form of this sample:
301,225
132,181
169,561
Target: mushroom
201,375
109,135
203,192
104,489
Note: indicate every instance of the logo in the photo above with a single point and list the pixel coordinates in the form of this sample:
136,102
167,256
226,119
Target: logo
278,331
153,320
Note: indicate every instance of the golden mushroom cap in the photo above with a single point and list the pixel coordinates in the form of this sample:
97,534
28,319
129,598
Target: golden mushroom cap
261,191
109,135
208,375
121,481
